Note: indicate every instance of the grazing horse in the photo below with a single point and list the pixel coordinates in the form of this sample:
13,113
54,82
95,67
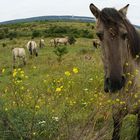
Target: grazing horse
120,46
96,43
59,41
18,53
41,43
32,47
52,43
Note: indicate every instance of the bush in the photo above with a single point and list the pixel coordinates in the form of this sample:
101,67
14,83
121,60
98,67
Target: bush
12,35
55,31
72,40
36,33
60,52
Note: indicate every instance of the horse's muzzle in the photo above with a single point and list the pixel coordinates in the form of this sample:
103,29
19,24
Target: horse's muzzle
113,85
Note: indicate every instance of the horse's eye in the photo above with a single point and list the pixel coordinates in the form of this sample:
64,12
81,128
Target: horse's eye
124,36
100,35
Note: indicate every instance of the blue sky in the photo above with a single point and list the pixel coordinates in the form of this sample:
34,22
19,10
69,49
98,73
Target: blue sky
16,9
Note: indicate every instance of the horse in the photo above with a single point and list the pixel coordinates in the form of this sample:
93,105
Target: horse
18,53
52,43
32,47
59,41
41,43
120,49
96,43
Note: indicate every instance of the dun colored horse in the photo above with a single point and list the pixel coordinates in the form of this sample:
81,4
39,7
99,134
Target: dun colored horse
32,47
120,45
52,43
18,53
59,41
41,43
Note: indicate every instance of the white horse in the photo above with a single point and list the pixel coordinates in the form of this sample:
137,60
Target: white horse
32,47
18,53
41,43
64,41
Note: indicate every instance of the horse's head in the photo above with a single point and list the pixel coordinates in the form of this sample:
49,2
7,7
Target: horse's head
30,47
117,37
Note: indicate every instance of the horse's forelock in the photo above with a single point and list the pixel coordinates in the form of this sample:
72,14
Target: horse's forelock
111,18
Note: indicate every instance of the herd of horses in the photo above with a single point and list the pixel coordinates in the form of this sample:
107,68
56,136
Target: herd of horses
120,48
32,48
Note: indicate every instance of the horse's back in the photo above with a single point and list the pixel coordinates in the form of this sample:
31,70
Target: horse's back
61,40
19,52
32,43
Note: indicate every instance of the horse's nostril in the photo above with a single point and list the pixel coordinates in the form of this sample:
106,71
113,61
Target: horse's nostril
123,80
114,84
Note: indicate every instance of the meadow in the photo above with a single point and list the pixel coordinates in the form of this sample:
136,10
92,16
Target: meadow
52,100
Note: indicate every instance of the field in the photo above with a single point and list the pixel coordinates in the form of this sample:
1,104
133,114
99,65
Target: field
52,100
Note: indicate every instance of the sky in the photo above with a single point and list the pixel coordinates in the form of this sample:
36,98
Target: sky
17,9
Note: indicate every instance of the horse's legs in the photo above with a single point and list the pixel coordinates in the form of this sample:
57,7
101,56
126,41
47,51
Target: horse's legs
14,61
138,123
35,52
24,60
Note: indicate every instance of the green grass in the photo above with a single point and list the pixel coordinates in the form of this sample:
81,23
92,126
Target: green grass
33,109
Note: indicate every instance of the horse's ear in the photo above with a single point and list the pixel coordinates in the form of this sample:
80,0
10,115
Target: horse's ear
124,10
95,11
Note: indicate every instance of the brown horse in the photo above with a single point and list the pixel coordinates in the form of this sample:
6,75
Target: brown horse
120,45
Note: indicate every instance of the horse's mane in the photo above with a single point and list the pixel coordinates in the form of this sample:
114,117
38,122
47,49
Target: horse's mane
111,18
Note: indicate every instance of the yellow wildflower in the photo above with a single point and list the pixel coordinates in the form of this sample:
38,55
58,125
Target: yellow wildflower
34,133
6,109
58,89
37,106
22,75
109,101
19,69
26,77
22,88
67,73
5,90
129,82
14,74
117,100
75,70
3,70
22,72
34,67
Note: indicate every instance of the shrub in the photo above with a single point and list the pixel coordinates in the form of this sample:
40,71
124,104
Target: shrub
72,40
36,33
60,52
12,35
